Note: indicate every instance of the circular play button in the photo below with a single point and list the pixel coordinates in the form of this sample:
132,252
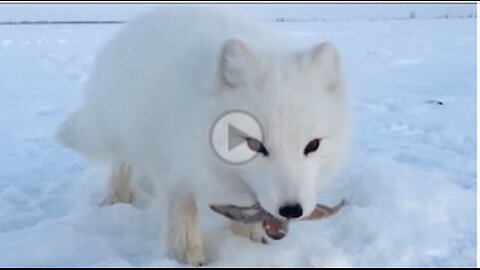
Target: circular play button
229,133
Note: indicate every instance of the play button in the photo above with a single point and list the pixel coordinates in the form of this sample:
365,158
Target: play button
236,137
229,133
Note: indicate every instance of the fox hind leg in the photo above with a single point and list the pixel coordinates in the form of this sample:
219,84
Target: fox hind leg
119,186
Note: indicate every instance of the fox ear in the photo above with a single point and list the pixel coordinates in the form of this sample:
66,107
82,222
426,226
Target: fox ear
324,61
237,64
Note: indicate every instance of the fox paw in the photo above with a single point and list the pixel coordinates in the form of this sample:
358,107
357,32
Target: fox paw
124,196
252,231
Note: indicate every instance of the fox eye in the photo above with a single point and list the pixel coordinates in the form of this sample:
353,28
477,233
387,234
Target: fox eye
312,146
257,146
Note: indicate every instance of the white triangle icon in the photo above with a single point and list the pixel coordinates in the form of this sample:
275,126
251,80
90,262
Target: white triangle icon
236,137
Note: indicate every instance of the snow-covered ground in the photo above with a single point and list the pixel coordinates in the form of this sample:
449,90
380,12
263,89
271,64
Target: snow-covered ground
411,175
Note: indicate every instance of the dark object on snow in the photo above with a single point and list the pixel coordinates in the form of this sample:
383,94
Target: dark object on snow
437,102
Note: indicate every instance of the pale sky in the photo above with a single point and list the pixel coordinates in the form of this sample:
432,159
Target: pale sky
263,11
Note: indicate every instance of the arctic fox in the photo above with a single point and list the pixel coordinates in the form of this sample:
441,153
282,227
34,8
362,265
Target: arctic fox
159,85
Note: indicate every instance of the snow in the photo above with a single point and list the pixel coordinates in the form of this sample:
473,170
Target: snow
126,11
410,177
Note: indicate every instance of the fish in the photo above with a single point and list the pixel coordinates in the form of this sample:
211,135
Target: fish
276,228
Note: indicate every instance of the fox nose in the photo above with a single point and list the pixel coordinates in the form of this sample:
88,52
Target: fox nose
291,211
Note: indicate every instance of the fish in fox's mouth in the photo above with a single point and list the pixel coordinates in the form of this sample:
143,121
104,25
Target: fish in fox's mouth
276,228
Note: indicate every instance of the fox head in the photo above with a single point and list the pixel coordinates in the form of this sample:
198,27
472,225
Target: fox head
300,101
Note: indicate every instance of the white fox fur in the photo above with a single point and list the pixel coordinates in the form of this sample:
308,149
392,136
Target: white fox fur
160,83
